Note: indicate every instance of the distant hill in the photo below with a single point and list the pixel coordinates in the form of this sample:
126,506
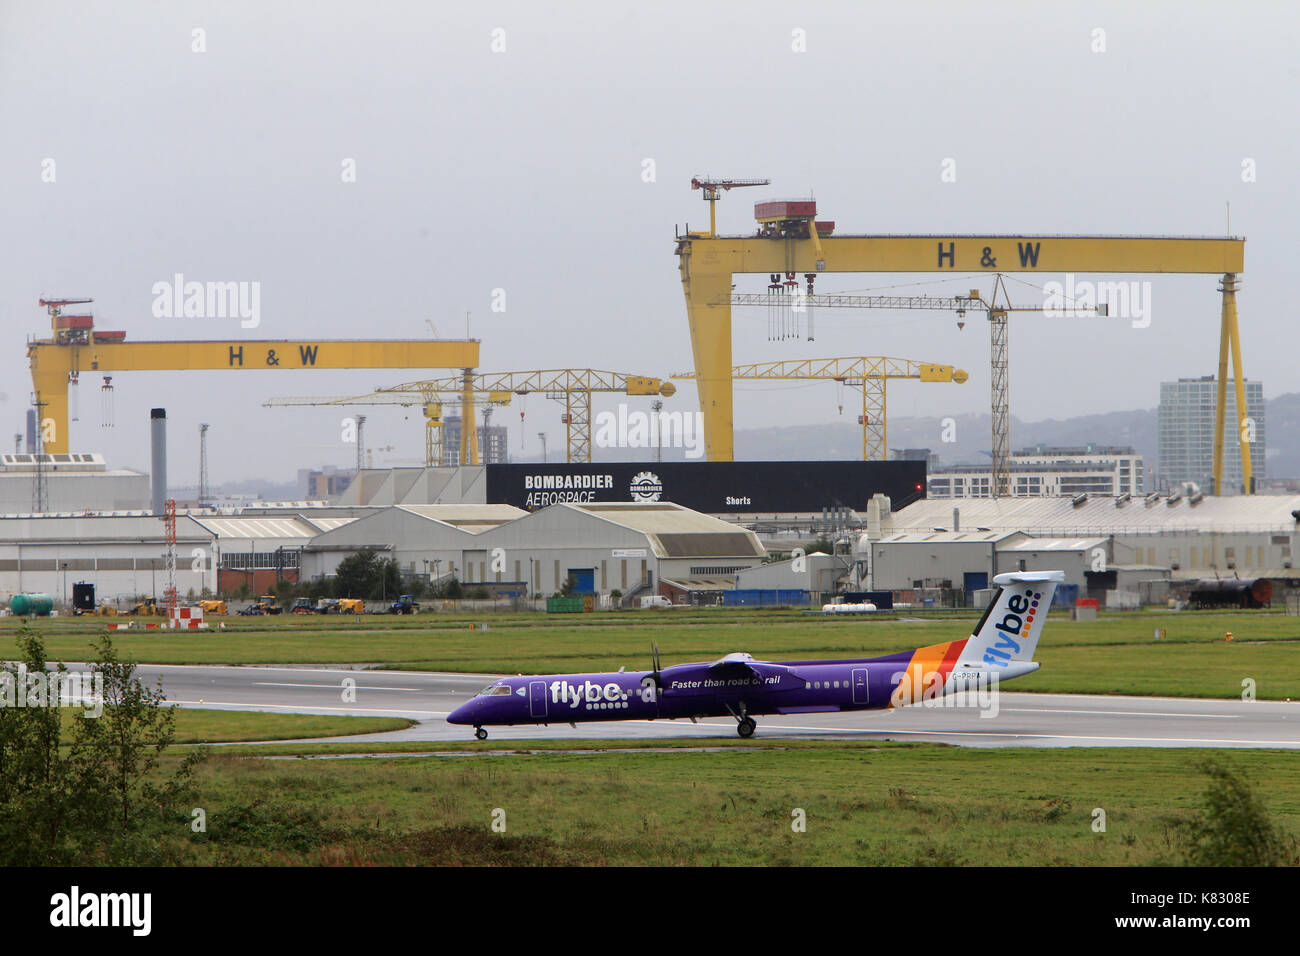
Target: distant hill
1138,428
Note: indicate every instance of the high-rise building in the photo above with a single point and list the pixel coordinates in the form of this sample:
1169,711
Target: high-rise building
493,443
1047,472
1187,415
326,482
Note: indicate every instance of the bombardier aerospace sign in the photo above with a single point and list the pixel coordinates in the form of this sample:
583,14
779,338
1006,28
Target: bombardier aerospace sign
749,487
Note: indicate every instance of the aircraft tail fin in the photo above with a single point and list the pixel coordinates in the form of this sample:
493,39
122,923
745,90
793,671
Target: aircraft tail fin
1013,622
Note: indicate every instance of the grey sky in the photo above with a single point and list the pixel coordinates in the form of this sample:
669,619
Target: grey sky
522,171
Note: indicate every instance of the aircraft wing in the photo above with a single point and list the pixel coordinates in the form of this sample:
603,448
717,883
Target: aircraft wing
742,663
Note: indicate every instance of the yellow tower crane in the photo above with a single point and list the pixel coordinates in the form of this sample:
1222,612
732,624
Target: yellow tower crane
872,374
431,402
791,240
76,346
997,307
572,386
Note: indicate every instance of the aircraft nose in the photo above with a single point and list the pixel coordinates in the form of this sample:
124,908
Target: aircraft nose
464,713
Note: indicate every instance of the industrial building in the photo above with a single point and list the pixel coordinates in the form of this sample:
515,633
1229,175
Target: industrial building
124,554
1123,549
1044,471
1187,416
71,482
765,495
634,548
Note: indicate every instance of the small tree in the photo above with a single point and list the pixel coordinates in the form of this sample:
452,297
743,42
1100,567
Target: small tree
123,745
1234,829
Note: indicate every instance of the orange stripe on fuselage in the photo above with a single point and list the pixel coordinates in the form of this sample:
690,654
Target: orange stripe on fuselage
937,660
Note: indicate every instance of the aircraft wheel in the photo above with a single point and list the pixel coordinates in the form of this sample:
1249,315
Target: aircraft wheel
480,733
746,727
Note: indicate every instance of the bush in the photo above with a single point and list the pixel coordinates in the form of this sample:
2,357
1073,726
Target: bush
1234,829
87,800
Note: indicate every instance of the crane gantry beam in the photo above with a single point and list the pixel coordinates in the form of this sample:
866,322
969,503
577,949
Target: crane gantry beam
870,373
69,352
708,262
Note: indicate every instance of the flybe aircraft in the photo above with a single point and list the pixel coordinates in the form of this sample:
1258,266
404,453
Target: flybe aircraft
1001,647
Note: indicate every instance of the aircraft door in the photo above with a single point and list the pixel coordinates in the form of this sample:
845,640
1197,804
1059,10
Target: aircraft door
860,686
537,699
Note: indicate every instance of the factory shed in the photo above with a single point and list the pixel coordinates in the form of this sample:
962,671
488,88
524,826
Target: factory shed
123,555
257,551
416,486
422,539
1124,550
816,573
604,547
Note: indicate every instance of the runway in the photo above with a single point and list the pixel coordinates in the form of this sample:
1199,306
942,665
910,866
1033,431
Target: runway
1016,720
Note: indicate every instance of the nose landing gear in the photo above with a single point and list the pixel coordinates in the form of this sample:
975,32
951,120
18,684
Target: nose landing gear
480,733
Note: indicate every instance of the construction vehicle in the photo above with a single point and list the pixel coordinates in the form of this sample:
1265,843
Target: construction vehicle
149,607
213,606
304,606
345,606
405,604
270,604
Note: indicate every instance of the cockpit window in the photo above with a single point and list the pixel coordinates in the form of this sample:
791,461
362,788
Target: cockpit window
494,690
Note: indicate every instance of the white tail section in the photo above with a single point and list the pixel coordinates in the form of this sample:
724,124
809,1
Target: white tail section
1009,630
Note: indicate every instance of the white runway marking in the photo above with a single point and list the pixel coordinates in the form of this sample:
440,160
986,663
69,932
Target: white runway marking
412,690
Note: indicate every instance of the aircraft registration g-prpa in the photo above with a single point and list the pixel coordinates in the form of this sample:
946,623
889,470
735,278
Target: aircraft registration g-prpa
1001,647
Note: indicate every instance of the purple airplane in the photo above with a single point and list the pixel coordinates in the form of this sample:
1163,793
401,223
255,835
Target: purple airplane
1001,647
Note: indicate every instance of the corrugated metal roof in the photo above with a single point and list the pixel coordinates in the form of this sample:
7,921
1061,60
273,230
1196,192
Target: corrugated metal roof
675,531
278,527
1054,544
1102,515
946,537
469,518
328,524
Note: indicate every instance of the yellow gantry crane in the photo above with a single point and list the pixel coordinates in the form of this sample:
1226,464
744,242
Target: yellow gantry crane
790,240
997,307
871,374
572,386
76,346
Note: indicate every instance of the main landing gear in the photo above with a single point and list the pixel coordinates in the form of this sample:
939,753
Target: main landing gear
744,723
480,733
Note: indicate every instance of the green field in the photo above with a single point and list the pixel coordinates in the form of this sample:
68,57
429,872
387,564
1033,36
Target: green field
892,804
222,726
1115,654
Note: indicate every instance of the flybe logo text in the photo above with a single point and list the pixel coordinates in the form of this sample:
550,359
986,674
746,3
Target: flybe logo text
1019,617
562,692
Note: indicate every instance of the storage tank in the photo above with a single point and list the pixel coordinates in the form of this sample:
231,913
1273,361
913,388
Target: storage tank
31,605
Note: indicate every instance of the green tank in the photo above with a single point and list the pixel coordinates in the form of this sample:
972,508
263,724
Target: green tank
31,605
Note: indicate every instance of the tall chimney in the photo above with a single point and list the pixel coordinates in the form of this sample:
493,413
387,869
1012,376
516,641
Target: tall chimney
158,476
